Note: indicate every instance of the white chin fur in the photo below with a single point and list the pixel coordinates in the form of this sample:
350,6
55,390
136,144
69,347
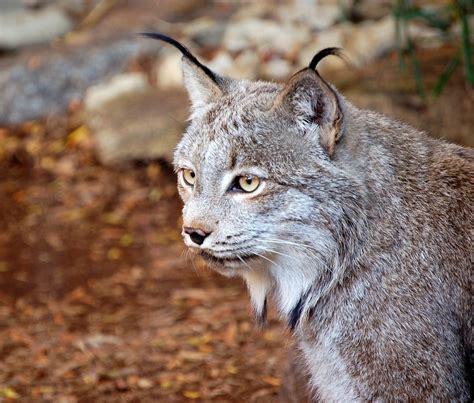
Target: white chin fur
259,283
287,282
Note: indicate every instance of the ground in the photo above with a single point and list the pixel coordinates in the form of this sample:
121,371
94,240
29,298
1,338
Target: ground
98,301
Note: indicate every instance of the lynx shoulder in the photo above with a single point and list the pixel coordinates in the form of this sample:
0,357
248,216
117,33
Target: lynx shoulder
359,228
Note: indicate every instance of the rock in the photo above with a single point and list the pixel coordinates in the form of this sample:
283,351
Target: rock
317,15
265,36
32,90
244,66
130,120
426,36
329,38
371,40
222,63
456,28
23,27
205,32
168,71
120,85
277,69
7,6
260,9
371,9
77,6
361,43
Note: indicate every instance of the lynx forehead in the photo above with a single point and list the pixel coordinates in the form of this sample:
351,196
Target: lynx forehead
358,227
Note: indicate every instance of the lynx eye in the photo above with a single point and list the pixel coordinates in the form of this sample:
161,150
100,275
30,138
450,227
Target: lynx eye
247,183
189,176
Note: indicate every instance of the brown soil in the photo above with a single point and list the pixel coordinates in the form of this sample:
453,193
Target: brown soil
98,302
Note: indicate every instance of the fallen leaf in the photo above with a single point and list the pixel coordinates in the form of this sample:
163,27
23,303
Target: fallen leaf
4,266
114,254
231,369
167,384
78,136
271,380
190,394
9,393
126,239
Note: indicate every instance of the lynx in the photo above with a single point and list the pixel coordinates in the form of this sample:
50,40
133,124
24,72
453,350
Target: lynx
358,227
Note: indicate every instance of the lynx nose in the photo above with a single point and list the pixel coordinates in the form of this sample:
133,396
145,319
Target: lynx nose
197,235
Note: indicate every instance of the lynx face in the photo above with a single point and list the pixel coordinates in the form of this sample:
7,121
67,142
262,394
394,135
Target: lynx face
242,174
255,172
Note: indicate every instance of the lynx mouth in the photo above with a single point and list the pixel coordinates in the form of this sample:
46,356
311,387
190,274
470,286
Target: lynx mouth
231,261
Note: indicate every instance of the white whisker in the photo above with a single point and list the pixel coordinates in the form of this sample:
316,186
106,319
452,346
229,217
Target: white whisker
270,260
244,262
283,242
279,253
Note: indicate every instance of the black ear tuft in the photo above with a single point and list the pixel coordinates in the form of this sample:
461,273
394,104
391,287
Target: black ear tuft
323,53
183,49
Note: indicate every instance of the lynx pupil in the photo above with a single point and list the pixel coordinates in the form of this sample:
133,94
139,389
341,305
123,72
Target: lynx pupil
189,176
248,183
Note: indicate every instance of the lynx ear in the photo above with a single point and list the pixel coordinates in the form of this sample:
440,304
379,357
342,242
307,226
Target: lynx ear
311,100
203,85
202,88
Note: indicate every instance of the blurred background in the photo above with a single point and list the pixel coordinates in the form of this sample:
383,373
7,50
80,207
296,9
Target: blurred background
97,299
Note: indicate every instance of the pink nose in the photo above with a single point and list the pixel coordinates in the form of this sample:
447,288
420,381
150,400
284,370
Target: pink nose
197,235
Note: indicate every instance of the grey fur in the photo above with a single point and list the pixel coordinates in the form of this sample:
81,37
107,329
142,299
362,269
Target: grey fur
370,220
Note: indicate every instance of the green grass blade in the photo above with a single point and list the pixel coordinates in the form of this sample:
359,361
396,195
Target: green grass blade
446,75
466,46
415,64
399,25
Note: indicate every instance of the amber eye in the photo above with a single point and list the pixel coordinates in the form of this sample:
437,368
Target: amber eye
189,176
248,183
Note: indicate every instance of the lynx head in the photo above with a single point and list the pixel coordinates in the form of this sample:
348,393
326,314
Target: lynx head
257,177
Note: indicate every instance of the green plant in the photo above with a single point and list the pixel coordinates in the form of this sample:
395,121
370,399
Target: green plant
442,18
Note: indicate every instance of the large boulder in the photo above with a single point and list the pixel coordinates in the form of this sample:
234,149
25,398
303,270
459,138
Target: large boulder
32,90
131,120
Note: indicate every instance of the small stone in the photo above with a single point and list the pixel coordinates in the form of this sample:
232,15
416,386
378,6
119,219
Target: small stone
265,36
277,69
25,27
244,66
253,9
331,37
144,383
425,36
371,39
371,9
205,32
222,63
361,43
317,15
